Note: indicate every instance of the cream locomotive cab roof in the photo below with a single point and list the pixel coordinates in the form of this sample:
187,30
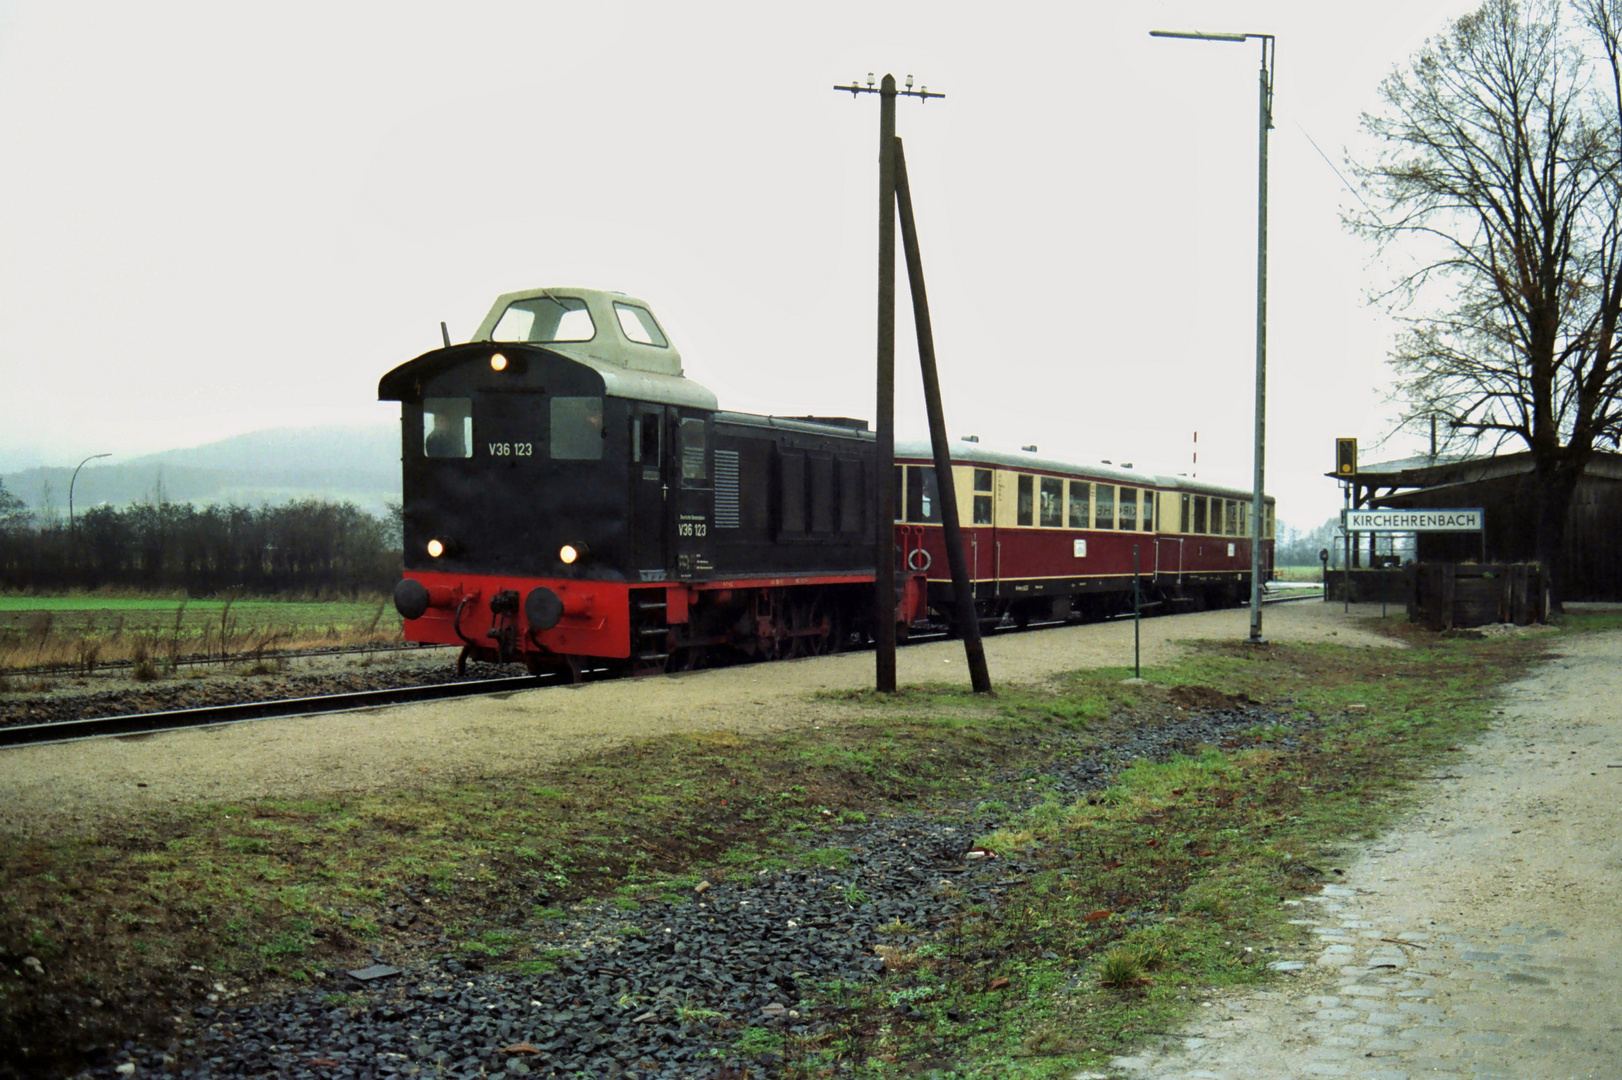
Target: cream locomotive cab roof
643,370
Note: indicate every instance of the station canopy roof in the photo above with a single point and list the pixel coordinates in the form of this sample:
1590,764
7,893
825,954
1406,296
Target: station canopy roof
1425,472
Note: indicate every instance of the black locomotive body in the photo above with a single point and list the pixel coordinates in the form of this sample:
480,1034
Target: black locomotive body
571,498
569,495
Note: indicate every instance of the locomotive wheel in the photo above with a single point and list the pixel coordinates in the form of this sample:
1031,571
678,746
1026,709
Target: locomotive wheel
804,620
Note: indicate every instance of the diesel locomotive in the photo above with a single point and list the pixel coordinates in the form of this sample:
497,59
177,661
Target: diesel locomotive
572,499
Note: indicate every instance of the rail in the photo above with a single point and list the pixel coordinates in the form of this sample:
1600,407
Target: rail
176,719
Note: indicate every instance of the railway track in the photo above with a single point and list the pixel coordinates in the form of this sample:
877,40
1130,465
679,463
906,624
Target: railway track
196,660
176,719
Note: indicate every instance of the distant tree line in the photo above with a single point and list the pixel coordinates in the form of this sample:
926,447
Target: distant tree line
306,546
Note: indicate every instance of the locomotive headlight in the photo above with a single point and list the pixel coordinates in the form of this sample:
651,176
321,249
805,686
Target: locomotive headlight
438,547
498,362
569,554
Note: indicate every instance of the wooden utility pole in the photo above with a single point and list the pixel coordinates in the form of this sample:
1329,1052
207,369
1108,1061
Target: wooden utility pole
968,619
884,598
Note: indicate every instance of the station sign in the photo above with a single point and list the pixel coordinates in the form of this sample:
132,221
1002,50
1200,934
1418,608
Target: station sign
1413,520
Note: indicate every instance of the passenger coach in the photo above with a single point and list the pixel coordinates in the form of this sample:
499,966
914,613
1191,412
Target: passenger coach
1050,539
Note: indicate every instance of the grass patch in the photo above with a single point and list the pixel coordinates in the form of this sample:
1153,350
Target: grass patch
1187,860
75,633
1139,900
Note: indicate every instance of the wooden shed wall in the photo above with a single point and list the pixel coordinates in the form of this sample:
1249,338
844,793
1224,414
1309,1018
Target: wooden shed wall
1593,548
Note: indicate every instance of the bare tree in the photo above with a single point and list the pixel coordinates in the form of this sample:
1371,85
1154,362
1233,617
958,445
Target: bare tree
1498,176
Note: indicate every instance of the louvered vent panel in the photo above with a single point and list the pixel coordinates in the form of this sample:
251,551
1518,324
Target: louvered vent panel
726,489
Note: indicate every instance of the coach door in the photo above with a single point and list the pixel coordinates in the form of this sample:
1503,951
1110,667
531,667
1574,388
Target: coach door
650,492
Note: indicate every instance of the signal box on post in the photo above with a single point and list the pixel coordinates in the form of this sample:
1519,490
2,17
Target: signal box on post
1345,457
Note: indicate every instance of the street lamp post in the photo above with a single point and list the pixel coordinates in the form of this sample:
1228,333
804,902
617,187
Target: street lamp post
75,480
1265,123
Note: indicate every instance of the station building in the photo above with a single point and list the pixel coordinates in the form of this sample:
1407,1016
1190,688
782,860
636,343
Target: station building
1501,485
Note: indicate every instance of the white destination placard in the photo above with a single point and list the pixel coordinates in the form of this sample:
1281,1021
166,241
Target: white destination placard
1413,520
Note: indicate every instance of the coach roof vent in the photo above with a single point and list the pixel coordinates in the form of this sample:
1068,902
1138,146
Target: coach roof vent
593,326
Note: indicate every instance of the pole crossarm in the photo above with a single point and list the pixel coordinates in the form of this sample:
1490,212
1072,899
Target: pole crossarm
922,93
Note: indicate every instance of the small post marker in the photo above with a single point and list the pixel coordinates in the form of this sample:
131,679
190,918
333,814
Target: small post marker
1137,667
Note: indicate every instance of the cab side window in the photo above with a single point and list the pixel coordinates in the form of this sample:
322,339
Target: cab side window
645,439
694,470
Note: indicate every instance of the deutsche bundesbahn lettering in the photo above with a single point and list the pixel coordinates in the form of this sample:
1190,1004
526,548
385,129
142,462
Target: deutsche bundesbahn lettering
1413,520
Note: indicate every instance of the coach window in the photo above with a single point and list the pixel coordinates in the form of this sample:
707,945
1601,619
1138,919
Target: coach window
1104,507
923,494
1184,522
545,318
690,444
1233,518
1080,505
577,428
1148,511
899,496
1199,513
447,424
1244,519
982,496
1027,501
1128,516
1268,531
1052,504
637,324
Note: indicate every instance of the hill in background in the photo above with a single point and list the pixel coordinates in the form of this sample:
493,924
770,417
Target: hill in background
360,465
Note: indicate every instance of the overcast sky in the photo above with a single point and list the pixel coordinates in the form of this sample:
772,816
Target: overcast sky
225,217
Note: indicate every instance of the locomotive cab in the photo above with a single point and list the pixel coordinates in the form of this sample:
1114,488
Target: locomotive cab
547,464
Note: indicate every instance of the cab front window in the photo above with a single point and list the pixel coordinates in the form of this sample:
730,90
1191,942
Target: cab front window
447,425
577,428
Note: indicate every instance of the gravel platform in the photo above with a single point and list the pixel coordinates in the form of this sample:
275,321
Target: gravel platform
47,788
666,990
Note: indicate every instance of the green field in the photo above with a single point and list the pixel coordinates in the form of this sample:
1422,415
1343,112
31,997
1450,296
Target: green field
77,631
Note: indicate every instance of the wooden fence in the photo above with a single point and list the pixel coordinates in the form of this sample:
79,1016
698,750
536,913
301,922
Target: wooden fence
1445,596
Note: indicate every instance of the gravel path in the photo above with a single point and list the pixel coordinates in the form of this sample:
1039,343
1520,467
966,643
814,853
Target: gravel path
1479,939
664,991
47,788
